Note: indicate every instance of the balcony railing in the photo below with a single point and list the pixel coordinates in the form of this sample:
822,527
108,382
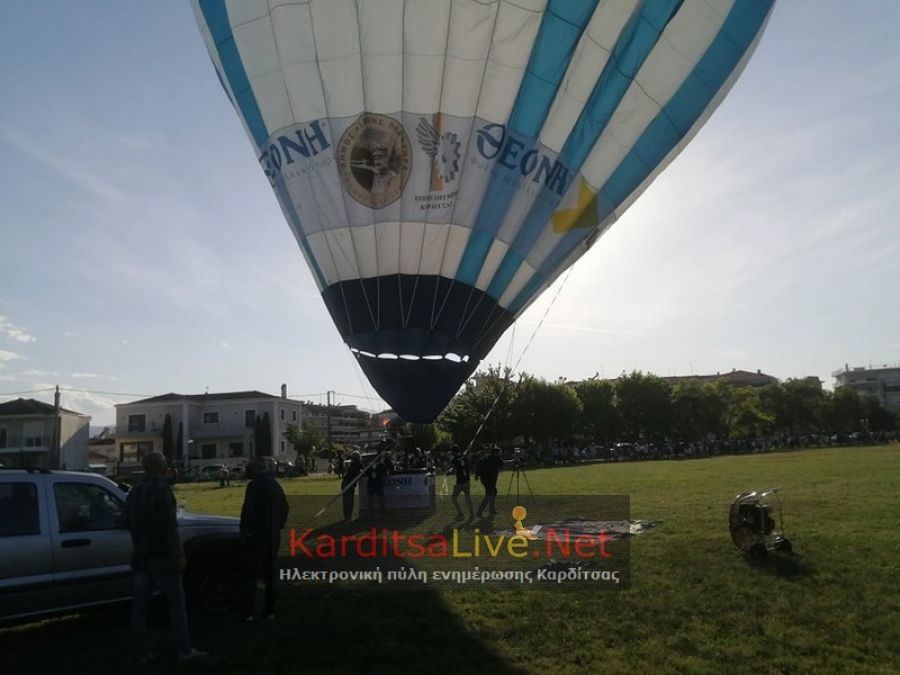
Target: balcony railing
26,443
213,431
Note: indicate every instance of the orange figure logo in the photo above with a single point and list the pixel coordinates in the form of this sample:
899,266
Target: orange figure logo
519,513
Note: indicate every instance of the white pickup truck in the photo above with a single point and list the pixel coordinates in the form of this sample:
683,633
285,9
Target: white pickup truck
64,547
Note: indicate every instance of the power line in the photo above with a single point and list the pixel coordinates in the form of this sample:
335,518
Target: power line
104,393
30,391
367,398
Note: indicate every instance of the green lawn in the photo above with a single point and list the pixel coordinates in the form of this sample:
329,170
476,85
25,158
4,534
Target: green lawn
695,606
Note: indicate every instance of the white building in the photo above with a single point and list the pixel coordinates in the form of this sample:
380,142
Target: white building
880,383
212,428
27,431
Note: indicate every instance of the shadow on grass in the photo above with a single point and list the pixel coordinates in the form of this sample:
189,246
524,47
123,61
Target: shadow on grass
328,631
786,566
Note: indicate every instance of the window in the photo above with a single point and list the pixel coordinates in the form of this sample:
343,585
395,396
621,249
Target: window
82,507
18,510
208,451
250,418
282,413
236,449
2,438
133,453
211,418
137,423
33,435
294,415
282,447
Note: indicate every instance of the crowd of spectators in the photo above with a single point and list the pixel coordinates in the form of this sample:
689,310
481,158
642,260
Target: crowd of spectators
628,452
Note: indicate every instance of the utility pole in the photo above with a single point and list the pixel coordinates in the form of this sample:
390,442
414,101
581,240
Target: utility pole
55,441
328,395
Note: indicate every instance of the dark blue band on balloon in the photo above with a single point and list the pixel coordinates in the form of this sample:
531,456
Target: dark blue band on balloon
436,317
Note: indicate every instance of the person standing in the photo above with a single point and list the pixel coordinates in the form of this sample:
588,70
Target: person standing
263,515
157,558
488,470
348,483
375,478
459,466
339,464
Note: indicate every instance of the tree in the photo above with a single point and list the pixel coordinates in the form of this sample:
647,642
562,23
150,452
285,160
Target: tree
699,410
306,439
167,440
179,442
469,408
406,436
797,406
746,416
846,411
599,421
267,435
262,435
546,412
876,417
645,404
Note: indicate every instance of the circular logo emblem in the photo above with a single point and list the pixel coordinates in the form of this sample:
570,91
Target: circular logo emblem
373,158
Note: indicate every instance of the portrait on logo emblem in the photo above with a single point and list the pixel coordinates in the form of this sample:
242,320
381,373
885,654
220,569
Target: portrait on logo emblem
374,160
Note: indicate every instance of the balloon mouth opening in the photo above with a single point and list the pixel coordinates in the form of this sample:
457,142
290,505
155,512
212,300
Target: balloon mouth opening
390,356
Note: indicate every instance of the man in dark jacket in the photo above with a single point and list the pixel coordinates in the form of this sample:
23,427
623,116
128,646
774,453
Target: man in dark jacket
376,475
488,470
263,515
459,465
157,557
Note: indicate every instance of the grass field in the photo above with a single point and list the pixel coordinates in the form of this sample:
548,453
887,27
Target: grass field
695,606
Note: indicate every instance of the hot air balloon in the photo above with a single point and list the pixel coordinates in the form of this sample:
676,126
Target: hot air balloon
441,162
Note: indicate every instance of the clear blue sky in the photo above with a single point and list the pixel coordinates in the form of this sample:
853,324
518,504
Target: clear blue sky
142,250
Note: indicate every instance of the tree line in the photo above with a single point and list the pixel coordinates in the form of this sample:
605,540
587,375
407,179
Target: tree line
644,408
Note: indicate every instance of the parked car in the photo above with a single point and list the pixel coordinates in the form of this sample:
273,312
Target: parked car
211,472
64,547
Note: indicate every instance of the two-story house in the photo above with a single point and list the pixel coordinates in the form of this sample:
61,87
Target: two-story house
203,429
27,431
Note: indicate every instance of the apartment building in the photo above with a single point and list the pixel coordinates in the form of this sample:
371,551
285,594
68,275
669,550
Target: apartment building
349,424
881,383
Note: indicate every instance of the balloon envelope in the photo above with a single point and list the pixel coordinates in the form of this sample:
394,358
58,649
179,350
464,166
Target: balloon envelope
441,162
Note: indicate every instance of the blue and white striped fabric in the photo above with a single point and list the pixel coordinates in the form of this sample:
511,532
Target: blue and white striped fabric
441,162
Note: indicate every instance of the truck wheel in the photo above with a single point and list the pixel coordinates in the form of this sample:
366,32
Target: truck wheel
216,587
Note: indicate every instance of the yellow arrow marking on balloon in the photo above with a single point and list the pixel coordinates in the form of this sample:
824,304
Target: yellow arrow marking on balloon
567,219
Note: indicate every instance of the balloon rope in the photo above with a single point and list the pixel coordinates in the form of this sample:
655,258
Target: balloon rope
521,356
350,486
512,343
